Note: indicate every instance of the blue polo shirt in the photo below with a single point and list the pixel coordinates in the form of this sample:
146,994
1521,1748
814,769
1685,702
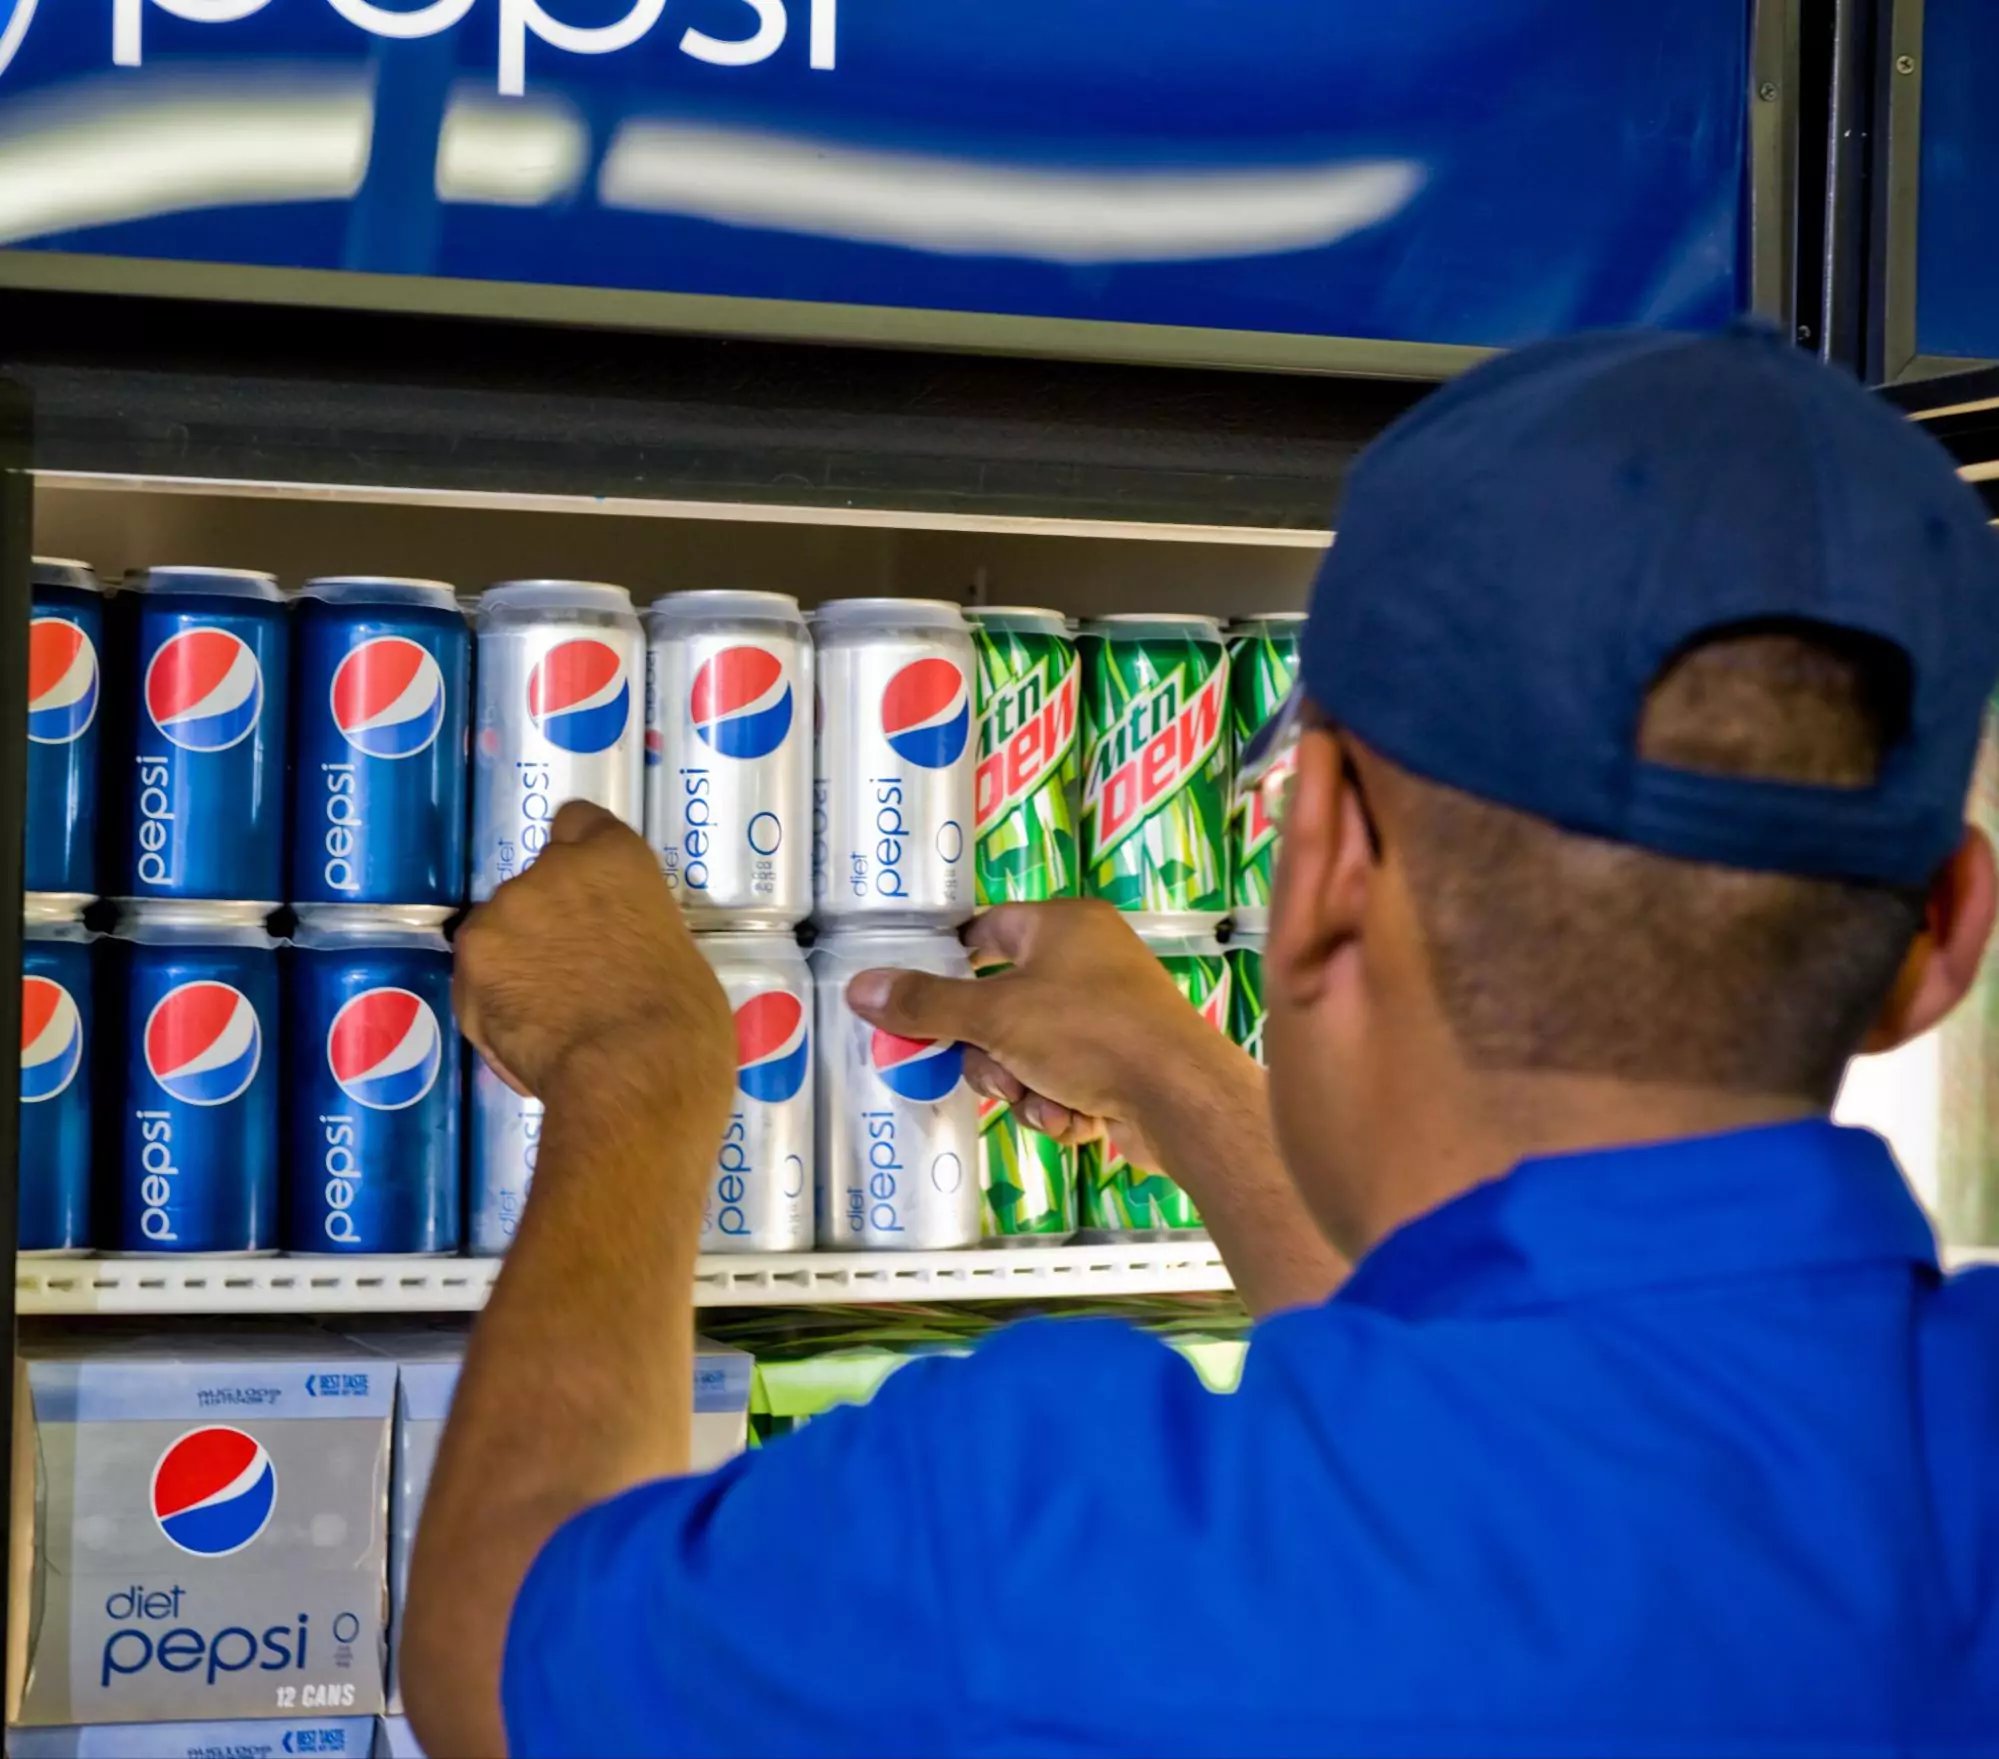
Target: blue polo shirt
1684,1449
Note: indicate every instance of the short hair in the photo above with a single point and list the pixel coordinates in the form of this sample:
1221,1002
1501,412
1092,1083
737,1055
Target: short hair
1553,950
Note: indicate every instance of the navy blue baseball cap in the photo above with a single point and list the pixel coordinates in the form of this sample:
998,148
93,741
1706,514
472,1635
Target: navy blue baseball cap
1525,553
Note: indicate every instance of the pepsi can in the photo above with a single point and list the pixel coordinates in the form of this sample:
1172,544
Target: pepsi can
892,785
205,779
383,706
65,691
558,720
898,1128
505,1131
760,1199
56,1014
373,1078
191,1054
728,756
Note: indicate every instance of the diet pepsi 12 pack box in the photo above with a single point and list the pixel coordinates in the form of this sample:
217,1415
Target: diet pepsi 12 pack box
201,1529
345,1737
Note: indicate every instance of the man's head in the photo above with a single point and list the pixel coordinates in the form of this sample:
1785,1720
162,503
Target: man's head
1641,692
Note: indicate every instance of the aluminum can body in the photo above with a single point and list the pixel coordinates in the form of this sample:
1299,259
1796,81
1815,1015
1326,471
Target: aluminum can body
65,724
1263,665
503,1131
58,1012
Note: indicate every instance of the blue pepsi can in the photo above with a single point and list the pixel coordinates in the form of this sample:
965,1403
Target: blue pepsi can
191,1054
372,1082
55,1079
65,692
205,782
382,706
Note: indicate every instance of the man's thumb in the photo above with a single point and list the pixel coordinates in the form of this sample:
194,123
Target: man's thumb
918,1005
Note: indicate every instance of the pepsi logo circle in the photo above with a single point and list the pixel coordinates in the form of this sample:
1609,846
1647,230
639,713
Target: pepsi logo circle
204,1043
63,681
385,1049
15,17
51,1039
927,713
204,689
922,1069
578,696
740,702
771,1046
387,697
213,1491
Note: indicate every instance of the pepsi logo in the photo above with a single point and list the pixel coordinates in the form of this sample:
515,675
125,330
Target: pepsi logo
388,697
927,713
741,702
578,697
923,1069
655,748
214,1490
204,1043
384,1049
51,1039
15,17
771,1047
204,689
62,681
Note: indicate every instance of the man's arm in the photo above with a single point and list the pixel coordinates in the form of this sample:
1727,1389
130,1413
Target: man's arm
1086,1032
579,982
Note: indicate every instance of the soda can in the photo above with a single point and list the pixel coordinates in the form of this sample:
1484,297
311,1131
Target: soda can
55,1139
558,718
1029,758
65,693
729,756
1118,1196
205,778
191,1051
382,707
1247,1011
1156,768
372,1083
761,1198
898,1127
892,785
1028,1180
1263,665
504,1130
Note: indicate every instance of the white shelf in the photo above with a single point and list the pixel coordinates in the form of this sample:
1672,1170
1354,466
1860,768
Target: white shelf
459,1285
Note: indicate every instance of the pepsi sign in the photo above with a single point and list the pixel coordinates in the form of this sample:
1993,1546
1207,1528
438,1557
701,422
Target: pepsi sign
204,689
51,1039
578,696
925,1070
385,1049
772,1049
927,713
203,1043
62,681
388,697
213,1491
740,703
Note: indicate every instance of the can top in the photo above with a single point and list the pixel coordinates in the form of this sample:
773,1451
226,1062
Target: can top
879,946
381,589
744,943
61,571
52,909
1266,619
374,925
194,922
1183,943
864,614
1243,935
525,597
722,603
216,583
1033,617
1138,625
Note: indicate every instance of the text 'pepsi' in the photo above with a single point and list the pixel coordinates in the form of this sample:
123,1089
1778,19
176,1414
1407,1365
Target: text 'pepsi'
503,1131
65,694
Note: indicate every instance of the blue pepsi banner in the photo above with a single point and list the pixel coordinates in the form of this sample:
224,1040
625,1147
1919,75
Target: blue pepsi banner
1957,248
1470,172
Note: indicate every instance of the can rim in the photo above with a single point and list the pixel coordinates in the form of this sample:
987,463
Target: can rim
219,583
688,603
63,571
1132,622
887,613
196,921
1040,616
1257,619
381,589
555,595
780,941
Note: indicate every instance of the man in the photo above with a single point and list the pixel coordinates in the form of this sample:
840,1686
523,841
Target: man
1639,701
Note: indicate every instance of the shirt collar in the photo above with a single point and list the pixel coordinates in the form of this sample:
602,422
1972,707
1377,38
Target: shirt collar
1747,1203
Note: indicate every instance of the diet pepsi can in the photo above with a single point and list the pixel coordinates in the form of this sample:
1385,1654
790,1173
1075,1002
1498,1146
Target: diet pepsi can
558,719
505,1132
191,1058
761,1199
382,706
372,1083
65,691
898,1128
892,786
205,779
56,1015
729,756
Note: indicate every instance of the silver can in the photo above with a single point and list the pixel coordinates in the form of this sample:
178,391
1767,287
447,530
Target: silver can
505,1132
760,1199
728,753
898,1127
892,784
559,664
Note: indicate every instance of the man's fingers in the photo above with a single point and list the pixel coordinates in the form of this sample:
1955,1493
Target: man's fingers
1000,936
992,1079
580,819
918,1005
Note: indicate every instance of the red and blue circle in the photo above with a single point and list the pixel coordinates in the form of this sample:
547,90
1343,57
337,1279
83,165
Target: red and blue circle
578,696
927,713
385,1049
922,1069
204,1043
63,683
388,697
204,689
740,702
51,1039
771,1046
213,1491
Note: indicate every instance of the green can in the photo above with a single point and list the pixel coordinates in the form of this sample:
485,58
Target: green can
1029,1180
1247,1012
1030,761
1263,665
1156,767
1119,1197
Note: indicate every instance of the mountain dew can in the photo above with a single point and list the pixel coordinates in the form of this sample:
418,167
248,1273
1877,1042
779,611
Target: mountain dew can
1247,1011
1263,665
1117,1196
1029,1180
1029,762
1156,768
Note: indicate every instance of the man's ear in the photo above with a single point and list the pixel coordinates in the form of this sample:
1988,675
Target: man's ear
1324,863
1944,960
